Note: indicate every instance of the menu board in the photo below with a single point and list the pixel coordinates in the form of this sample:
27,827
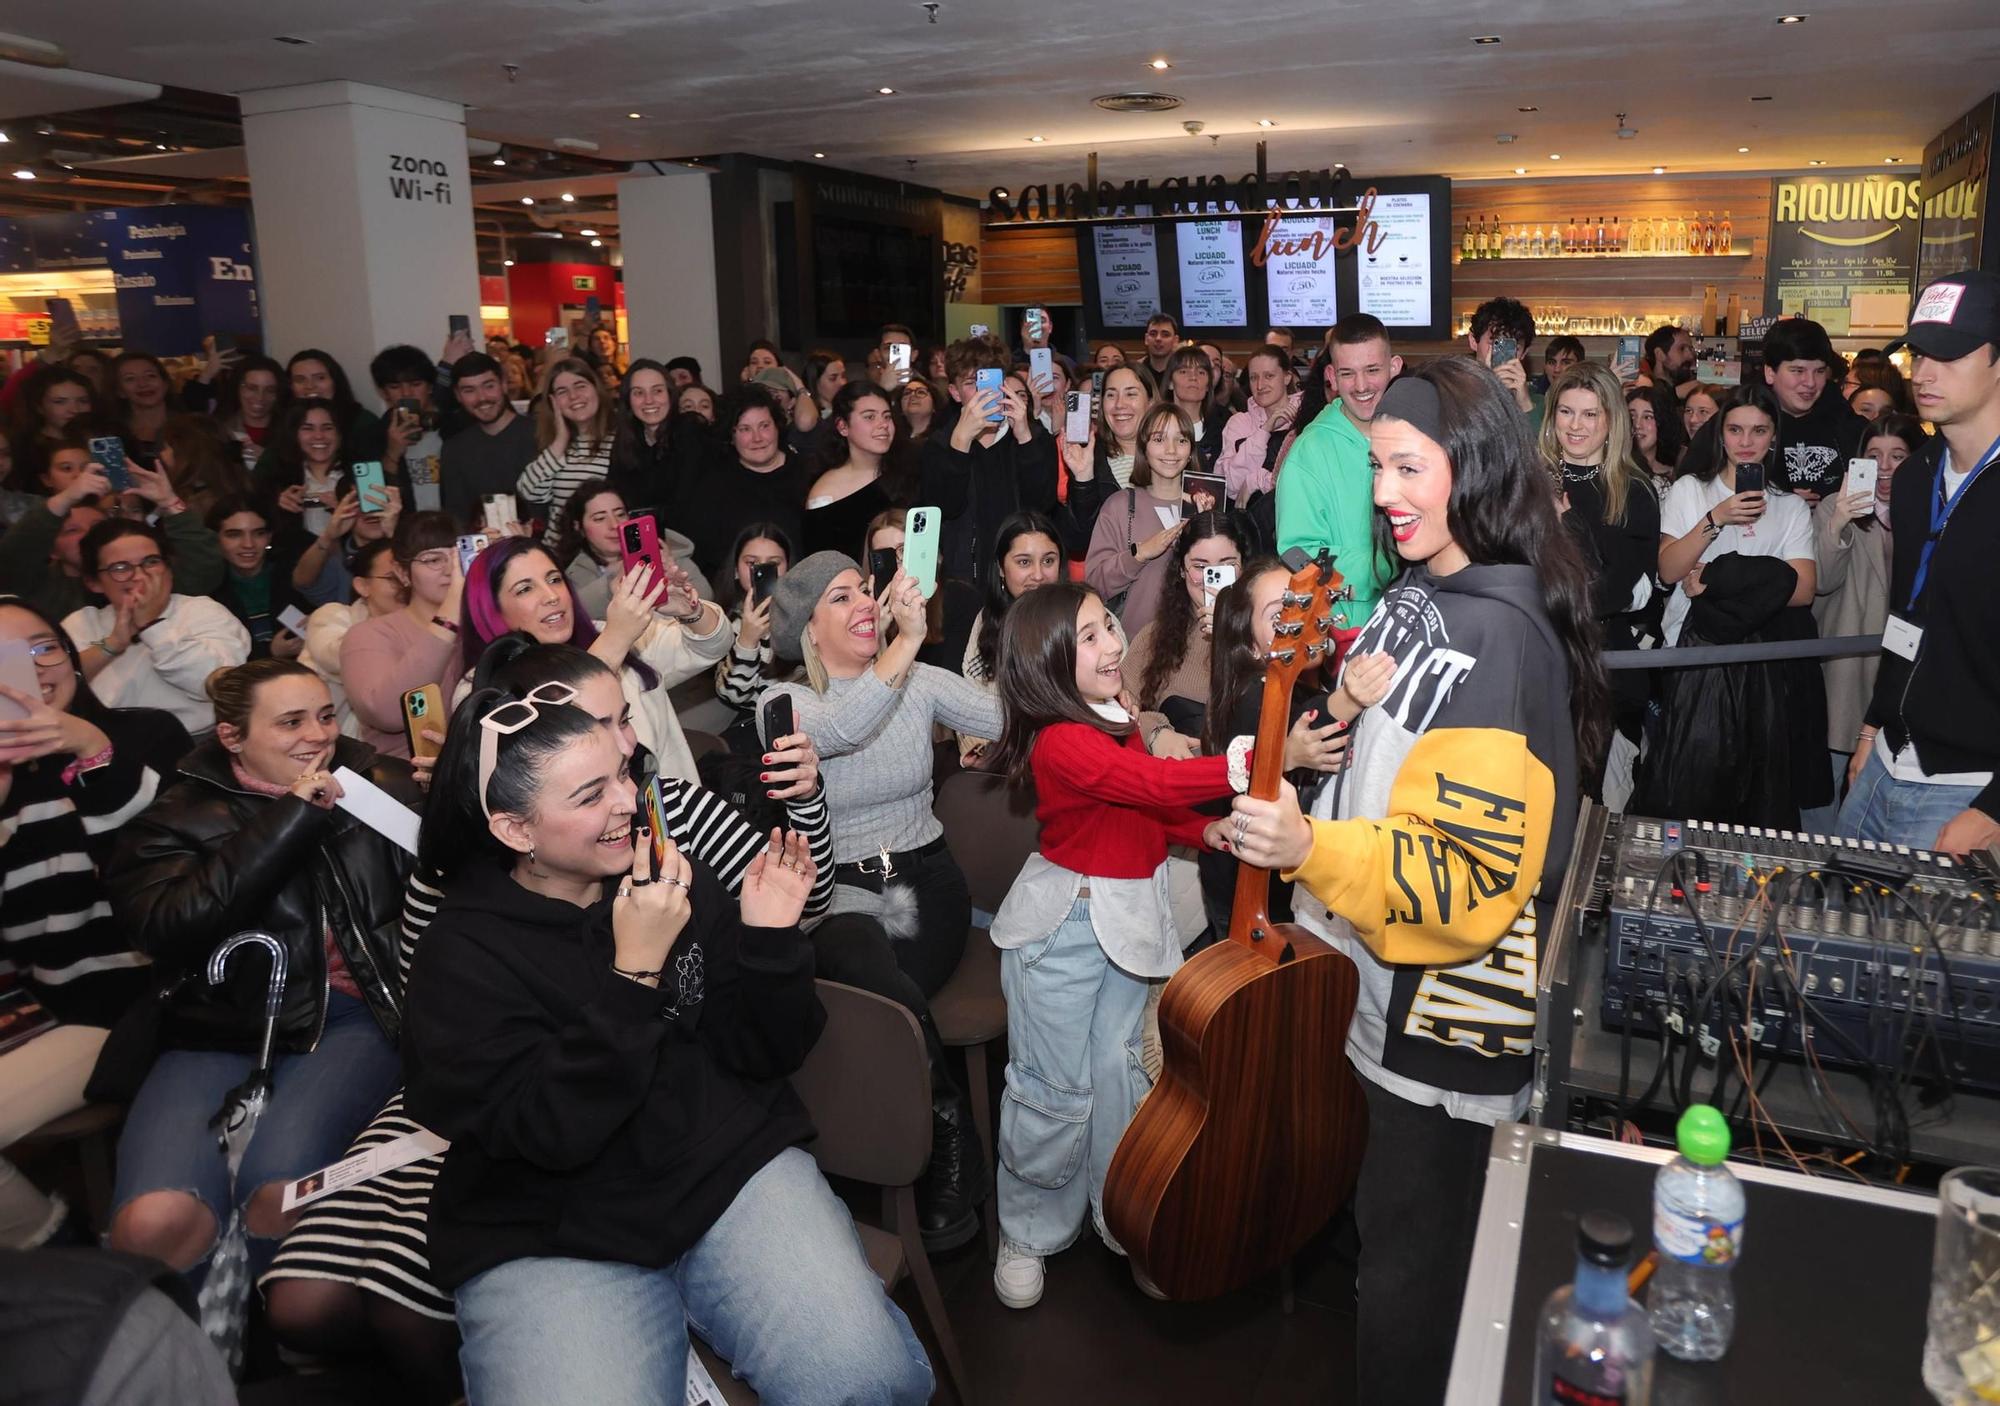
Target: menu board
1211,264
1299,286
1128,274
1394,281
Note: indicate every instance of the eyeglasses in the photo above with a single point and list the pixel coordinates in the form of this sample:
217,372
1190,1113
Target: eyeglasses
508,719
436,561
122,570
48,653
1195,568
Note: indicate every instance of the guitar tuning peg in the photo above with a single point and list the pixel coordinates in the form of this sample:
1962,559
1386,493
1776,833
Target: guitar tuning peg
1314,651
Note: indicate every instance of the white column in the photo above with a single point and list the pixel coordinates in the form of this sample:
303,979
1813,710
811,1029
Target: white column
363,207
666,226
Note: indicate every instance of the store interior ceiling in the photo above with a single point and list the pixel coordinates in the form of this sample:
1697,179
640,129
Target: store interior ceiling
984,94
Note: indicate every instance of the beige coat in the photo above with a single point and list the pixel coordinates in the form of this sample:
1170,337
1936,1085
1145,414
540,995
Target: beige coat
1853,599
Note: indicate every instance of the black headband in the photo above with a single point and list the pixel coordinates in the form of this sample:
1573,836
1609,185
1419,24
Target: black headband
1414,401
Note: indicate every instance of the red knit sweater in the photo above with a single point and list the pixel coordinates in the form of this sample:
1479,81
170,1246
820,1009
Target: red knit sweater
1109,809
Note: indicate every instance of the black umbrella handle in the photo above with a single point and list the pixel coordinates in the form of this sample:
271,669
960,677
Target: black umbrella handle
274,996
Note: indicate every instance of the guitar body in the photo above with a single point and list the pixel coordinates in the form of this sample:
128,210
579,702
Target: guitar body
1253,1137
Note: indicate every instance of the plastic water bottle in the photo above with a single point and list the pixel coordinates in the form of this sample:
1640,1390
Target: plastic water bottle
1594,1347
1698,1230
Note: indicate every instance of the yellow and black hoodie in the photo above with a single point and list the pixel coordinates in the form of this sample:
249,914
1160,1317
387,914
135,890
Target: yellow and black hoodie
1454,826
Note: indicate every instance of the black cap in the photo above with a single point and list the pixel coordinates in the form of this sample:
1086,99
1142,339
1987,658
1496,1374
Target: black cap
1955,316
1604,1238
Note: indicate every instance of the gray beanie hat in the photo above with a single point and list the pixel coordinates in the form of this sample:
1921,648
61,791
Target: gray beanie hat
797,592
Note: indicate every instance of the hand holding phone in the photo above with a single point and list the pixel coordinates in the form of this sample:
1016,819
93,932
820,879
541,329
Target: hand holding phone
460,324
920,547
763,580
1505,349
109,450
1076,417
1862,476
883,563
639,544
1042,369
371,488
899,361
779,720
17,671
992,380
423,709
499,510
469,547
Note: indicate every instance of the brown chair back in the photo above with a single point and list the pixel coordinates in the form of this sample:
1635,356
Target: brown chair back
867,1085
701,744
989,826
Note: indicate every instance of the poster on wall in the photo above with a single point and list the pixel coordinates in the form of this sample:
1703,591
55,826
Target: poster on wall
1393,279
1957,189
1299,286
1128,274
183,272
1211,267
1833,237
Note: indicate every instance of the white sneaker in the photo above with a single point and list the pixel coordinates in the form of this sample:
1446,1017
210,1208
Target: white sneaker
1017,1277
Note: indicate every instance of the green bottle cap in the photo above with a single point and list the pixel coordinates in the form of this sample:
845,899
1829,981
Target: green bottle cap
1703,1135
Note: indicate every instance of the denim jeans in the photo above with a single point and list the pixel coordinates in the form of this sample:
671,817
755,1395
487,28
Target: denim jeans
778,1286
319,1101
1073,1078
1881,808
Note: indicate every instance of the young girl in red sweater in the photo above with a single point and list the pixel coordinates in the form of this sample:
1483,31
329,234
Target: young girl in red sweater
1087,924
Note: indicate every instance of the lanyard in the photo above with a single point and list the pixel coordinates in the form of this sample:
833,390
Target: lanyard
1941,511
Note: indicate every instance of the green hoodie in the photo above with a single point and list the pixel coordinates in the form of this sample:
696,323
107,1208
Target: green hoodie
1326,498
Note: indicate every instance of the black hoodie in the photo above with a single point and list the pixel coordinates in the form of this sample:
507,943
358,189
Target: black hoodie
590,1116
1813,448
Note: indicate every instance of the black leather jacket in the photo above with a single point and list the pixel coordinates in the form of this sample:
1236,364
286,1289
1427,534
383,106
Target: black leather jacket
210,859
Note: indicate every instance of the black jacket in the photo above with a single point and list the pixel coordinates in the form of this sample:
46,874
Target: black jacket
1813,448
209,859
1948,701
721,500
590,1116
981,488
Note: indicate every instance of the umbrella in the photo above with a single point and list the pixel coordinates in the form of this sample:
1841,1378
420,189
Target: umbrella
225,1293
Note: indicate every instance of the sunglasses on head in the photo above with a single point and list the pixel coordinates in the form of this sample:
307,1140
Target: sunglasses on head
508,719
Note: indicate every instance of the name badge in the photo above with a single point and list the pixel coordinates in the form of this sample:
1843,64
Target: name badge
1901,638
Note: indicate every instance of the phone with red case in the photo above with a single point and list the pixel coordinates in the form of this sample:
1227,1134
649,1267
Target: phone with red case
639,541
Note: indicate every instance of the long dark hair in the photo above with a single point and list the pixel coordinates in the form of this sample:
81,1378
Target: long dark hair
455,833
571,540
994,614
1175,624
229,398
629,450
1672,431
729,592
1501,512
284,464
85,703
345,405
899,464
1707,454
1235,665
1038,675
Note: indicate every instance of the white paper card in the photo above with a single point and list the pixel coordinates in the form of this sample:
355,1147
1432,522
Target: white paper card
293,619
1169,517
701,1387
365,1165
377,809
1900,637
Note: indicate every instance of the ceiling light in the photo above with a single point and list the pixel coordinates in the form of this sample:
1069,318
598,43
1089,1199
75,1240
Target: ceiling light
506,263
1520,170
1659,170
1002,192
1792,19
568,199
1892,161
819,156
887,92
1743,151
635,116
24,174
1815,163
1527,109
499,161
159,146
1159,65
1555,156
587,233
597,244
1486,39
527,200
1038,139
1503,137
3,137
1265,122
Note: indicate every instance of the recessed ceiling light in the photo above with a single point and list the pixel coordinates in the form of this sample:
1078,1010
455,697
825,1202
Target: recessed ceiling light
1892,160
506,263
24,174
1503,137
1520,170
819,156
1659,170
1555,156
1486,39
499,161
1159,65
1527,109
587,233
1265,122
887,92
527,200
3,138
1792,19
635,116
1038,139
1815,163
1743,151
597,244
568,199
159,146
1002,192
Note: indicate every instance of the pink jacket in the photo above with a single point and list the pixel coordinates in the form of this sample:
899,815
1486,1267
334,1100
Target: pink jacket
1244,441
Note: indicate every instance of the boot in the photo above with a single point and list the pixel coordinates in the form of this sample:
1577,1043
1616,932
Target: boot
954,1184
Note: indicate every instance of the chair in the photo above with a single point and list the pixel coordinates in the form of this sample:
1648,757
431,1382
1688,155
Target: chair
867,1086
702,744
989,826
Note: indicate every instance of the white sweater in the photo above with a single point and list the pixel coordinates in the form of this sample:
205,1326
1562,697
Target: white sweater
170,660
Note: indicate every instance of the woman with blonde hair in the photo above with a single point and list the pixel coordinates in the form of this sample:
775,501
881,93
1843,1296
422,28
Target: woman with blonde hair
575,424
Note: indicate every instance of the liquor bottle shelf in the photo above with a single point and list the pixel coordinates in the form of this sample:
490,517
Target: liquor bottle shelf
1608,255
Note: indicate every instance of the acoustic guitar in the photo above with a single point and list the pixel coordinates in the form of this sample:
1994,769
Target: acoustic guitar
1253,1136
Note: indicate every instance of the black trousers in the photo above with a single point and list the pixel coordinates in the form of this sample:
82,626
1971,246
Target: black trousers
943,913
852,949
1416,1208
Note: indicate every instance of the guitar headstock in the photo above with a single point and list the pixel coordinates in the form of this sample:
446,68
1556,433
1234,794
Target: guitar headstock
1304,636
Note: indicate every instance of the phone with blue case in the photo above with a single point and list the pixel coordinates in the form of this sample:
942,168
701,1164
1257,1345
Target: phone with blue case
371,487
993,379
920,546
109,450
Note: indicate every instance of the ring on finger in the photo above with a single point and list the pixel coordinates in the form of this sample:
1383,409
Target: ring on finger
681,884
625,889
640,883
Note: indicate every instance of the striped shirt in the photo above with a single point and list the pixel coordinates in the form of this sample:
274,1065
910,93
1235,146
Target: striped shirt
551,478
372,1235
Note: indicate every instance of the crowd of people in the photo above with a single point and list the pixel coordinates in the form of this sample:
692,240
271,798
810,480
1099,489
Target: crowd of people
594,972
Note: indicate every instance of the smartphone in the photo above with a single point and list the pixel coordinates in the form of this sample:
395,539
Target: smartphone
412,408
63,326
656,819
993,379
899,361
778,717
1042,369
17,671
1749,478
470,546
1861,477
109,450
1076,417
1629,349
1097,386
1217,579
920,546
556,337
882,565
459,322
763,579
639,541
978,329
501,509
371,488
1505,349
593,311
1036,323
424,708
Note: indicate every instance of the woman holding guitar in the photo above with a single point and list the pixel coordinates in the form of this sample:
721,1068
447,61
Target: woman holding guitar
1435,860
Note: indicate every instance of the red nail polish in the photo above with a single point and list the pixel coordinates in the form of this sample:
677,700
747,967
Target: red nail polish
767,759
764,776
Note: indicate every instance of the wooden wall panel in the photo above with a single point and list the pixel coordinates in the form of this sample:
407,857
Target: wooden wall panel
1024,264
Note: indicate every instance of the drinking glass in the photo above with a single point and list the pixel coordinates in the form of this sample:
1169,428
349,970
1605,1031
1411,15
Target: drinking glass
1962,1346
